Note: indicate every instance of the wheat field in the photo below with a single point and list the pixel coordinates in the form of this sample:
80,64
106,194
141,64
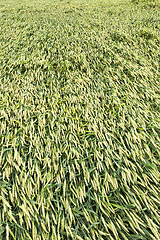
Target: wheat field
79,120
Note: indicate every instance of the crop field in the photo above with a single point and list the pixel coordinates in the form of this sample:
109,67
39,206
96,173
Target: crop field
80,120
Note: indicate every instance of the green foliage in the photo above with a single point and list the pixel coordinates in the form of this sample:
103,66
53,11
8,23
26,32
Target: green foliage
79,121
147,3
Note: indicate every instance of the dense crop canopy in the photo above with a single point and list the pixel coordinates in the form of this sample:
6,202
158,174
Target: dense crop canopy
79,120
